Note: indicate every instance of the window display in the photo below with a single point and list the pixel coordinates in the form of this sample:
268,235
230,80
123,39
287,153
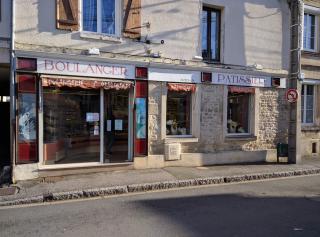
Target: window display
71,125
238,113
178,113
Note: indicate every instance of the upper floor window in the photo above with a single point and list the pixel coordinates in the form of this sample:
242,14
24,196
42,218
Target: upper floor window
309,32
210,26
307,104
100,16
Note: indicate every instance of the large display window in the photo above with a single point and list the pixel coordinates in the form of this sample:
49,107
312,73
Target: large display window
178,113
238,113
71,125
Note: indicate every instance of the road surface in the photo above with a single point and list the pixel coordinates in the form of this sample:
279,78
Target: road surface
282,207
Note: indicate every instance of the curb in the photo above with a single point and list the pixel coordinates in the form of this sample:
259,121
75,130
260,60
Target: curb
147,187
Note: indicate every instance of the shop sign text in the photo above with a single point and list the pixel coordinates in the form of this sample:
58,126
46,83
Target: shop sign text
76,68
241,80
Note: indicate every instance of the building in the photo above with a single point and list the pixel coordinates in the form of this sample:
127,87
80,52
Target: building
310,64
147,84
5,44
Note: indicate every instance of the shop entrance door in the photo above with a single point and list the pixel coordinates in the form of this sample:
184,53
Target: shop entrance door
116,129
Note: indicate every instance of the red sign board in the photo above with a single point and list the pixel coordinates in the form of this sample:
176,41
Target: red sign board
292,95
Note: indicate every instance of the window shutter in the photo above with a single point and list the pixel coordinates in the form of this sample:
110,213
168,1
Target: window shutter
67,15
132,19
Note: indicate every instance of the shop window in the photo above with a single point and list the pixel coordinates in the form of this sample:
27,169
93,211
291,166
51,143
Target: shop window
238,113
178,113
27,119
309,32
100,16
307,104
71,125
210,25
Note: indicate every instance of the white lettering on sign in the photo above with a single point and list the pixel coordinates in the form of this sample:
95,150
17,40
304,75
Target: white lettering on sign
241,80
69,67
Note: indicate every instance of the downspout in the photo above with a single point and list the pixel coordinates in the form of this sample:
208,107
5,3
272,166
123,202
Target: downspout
294,130
12,93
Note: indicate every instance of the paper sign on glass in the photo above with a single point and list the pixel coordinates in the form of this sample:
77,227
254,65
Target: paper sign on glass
108,125
118,124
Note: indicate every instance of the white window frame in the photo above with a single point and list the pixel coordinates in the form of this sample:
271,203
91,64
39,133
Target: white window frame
118,6
190,129
310,10
304,114
251,118
195,118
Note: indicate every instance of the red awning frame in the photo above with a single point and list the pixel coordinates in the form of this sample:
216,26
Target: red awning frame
241,89
50,81
181,87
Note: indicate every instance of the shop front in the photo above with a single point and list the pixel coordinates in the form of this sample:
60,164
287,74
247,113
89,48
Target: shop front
74,114
79,113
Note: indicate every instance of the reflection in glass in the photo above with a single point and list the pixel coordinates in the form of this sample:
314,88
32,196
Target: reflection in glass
27,117
108,16
71,125
89,15
204,30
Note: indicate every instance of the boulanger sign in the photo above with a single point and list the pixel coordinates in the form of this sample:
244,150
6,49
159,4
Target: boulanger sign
240,80
89,69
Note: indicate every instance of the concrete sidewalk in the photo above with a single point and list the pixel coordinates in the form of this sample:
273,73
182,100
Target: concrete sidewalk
126,181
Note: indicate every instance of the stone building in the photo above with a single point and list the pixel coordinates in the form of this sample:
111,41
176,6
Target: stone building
310,64
107,84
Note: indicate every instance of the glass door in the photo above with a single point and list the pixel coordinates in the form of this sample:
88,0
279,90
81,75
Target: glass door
116,129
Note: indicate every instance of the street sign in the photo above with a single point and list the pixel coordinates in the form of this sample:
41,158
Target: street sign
292,95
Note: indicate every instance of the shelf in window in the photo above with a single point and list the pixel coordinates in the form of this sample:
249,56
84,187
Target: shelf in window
99,36
180,139
240,137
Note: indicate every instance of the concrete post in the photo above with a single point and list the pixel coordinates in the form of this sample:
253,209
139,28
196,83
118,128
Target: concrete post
294,131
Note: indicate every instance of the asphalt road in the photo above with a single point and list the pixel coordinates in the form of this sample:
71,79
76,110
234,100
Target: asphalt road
283,207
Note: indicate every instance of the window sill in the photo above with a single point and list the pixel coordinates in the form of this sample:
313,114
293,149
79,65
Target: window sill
246,137
182,139
311,127
99,36
310,53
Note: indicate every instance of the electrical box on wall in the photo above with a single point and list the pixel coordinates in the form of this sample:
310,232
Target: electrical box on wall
172,151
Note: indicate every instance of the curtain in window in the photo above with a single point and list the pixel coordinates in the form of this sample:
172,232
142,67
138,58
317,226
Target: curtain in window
90,15
108,17
309,32
85,84
181,87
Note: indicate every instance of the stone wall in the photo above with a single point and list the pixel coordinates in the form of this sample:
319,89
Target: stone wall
271,121
155,145
211,128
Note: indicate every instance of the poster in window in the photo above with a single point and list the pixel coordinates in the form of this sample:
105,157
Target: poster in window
141,118
27,117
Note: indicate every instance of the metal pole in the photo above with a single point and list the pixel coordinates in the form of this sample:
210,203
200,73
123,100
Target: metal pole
12,93
294,130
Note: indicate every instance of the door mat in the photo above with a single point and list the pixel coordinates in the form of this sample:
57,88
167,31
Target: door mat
8,191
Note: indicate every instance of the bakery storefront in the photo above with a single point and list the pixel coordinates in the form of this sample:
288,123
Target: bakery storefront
72,112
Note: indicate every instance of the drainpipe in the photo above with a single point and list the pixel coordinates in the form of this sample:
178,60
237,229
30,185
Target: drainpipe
12,93
294,130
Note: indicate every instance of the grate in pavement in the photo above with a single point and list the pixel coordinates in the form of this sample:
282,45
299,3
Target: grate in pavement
7,191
